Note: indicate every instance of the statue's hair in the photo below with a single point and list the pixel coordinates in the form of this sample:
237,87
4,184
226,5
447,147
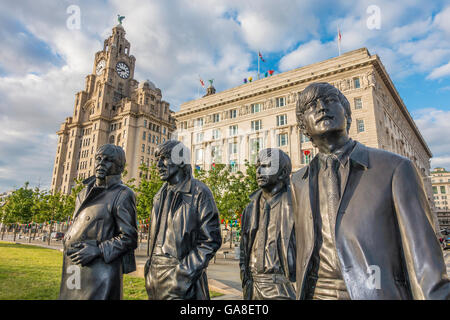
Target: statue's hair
284,160
117,153
166,149
314,91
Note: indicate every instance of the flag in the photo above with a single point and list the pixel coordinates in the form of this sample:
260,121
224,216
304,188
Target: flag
201,82
339,35
260,56
271,72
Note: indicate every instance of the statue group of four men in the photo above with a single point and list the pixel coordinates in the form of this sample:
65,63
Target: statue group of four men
353,224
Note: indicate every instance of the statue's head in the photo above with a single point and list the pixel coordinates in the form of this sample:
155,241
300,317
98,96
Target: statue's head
321,109
273,166
109,160
172,159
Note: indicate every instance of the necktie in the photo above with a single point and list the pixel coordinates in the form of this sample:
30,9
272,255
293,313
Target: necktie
164,215
262,237
333,193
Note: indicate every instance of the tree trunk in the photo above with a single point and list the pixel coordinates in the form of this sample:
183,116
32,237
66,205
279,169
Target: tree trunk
231,236
3,231
29,234
49,233
15,229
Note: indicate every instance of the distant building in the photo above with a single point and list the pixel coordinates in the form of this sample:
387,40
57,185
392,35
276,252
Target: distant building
231,126
113,108
440,180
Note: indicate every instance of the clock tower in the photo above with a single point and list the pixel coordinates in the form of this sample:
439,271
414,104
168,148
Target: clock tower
112,108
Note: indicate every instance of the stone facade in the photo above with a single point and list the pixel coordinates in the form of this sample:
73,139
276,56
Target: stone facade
233,125
440,180
113,108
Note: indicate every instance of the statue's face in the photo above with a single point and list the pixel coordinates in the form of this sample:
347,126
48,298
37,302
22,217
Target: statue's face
324,115
105,165
166,167
263,177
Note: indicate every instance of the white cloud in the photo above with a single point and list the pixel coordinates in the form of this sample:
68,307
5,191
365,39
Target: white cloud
440,72
313,51
434,125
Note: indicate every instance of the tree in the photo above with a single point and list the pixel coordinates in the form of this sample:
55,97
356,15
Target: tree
146,190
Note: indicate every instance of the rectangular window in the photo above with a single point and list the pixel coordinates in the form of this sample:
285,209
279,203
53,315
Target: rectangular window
304,138
164,130
232,148
256,125
256,107
280,102
143,135
233,113
282,139
360,125
199,122
148,150
216,117
216,154
356,83
198,155
143,148
145,123
233,130
281,120
442,189
216,134
358,103
256,144
199,137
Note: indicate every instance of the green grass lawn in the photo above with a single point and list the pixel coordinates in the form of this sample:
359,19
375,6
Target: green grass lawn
33,273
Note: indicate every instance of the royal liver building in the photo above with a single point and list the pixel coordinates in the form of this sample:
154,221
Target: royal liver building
112,108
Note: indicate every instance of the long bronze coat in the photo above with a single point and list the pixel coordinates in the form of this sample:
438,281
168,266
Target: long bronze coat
250,225
194,241
383,221
106,217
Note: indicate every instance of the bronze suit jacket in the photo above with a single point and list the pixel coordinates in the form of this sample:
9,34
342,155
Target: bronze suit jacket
105,217
195,239
383,220
250,224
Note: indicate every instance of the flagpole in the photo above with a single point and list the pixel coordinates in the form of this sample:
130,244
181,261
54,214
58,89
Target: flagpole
339,41
257,57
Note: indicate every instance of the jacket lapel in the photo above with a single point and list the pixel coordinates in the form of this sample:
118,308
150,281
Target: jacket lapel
156,216
254,221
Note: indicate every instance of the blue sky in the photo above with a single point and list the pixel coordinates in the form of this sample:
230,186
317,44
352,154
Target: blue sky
43,63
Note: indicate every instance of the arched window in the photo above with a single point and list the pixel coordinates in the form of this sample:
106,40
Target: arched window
111,139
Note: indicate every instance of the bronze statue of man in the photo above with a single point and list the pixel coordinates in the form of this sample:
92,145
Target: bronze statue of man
267,260
99,245
185,230
363,223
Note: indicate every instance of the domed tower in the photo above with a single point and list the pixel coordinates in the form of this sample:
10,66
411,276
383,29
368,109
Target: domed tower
112,108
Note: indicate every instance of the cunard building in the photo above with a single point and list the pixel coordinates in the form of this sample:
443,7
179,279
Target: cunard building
112,108
231,126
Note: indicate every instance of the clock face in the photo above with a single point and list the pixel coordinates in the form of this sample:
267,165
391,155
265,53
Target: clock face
100,67
122,70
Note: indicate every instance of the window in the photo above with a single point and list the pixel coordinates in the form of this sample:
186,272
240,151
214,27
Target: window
216,154
360,125
156,140
233,166
143,148
148,150
143,135
304,138
256,125
145,123
280,102
256,144
442,189
358,103
198,155
164,130
281,120
199,137
233,113
282,139
216,134
216,117
199,122
149,137
356,83
232,148
256,107
233,130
